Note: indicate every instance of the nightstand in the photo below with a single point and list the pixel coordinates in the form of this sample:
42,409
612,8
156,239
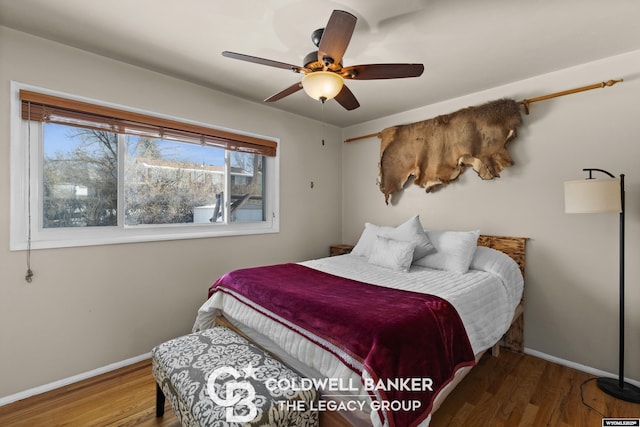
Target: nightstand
340,249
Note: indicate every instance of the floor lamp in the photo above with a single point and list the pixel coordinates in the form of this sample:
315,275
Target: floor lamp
599,196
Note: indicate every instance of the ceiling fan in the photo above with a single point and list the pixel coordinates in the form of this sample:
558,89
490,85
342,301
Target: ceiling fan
323,70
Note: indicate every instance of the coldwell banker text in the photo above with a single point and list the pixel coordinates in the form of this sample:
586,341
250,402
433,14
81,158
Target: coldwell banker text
331,386
339,385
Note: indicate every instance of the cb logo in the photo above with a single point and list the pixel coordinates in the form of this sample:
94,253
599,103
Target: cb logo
232,397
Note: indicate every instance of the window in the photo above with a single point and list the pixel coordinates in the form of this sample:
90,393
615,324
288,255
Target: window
98,174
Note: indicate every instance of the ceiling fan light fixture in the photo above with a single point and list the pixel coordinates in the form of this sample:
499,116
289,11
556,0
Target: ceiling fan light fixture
323,70
322,85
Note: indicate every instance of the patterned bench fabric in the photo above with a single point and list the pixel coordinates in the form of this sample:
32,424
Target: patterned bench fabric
182,367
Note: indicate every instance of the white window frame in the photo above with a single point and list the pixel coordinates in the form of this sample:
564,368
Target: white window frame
26,213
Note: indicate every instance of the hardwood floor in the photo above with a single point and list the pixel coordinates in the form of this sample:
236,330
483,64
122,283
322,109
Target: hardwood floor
509,390
522,390
125,397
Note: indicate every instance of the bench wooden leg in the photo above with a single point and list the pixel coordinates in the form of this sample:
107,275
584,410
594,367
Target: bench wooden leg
159,401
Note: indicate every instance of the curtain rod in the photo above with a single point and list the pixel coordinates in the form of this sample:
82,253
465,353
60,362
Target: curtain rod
525,102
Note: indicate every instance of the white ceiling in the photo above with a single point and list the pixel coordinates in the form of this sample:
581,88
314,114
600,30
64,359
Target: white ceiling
465,45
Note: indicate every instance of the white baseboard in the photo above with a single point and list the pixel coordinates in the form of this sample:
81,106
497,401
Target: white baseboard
70,380
579,367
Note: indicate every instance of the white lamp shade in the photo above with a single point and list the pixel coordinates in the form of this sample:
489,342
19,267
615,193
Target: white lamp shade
592,196
322,84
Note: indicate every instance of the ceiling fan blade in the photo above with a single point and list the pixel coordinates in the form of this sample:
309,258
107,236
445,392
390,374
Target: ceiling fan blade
346,98
382,71
262,61
336,36
288,91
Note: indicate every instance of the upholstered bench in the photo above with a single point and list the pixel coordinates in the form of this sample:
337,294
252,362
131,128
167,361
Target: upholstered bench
217,377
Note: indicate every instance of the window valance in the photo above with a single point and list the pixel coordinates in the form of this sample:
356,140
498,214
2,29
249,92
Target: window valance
53,109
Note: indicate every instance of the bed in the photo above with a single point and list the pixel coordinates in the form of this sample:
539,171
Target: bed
487,299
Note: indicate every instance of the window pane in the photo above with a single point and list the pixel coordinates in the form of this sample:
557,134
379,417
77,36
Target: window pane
247,187
80,177
169,182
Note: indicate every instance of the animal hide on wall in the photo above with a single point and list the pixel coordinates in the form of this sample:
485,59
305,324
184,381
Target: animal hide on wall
436,151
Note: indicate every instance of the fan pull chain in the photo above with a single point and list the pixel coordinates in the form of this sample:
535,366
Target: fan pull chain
323,124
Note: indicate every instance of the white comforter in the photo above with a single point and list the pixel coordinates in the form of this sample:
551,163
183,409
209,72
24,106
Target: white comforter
485,299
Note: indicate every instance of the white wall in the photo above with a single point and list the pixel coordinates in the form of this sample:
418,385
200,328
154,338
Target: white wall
92,306
572,260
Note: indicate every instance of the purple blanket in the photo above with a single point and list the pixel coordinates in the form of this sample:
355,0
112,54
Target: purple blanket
393,334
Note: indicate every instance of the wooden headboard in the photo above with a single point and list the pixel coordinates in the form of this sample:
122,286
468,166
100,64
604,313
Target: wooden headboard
512,246
515,248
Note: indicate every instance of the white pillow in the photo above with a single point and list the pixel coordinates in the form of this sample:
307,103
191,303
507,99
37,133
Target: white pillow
393,254
368,239
410,231
454,250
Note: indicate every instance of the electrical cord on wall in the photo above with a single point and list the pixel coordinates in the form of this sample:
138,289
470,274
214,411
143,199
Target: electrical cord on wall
29,276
